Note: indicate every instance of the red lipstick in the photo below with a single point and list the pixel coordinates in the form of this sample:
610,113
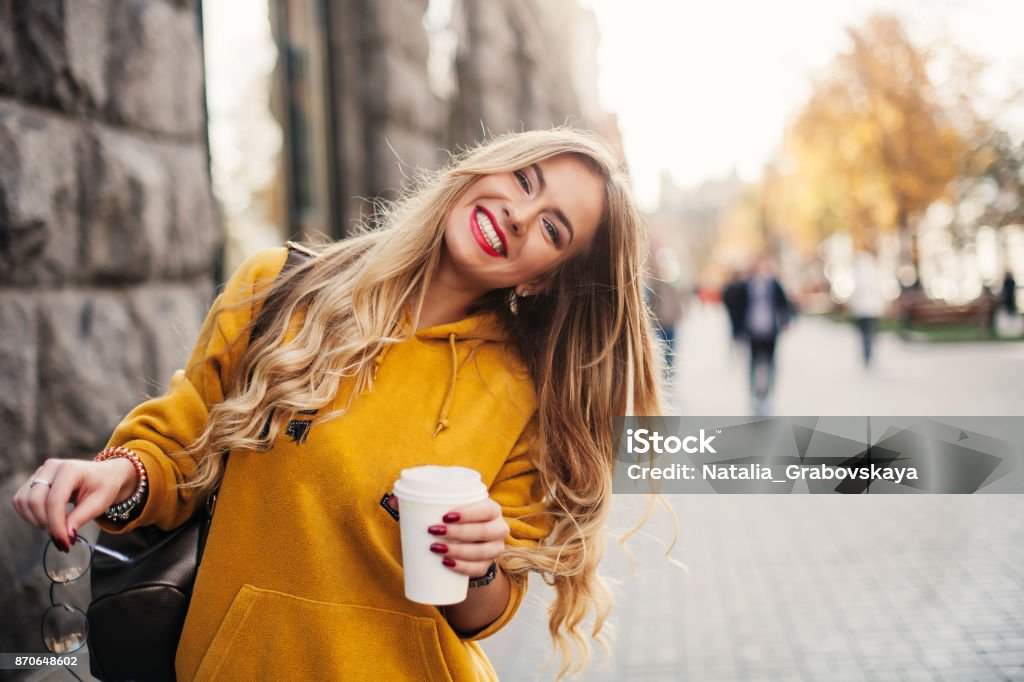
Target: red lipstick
474,227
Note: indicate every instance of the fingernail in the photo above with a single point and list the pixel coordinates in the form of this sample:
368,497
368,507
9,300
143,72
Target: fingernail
451,517
439,547
74,536
448,561
437,530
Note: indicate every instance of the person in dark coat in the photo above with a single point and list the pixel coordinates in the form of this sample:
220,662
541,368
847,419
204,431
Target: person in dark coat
732,296
764,310
1010,293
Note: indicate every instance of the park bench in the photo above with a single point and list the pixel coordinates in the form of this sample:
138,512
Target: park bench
927,313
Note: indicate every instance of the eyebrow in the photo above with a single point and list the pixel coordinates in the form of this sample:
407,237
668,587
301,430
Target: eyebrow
558,212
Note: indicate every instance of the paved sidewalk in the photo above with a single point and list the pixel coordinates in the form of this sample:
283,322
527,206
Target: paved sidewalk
819,373
915,587
883,587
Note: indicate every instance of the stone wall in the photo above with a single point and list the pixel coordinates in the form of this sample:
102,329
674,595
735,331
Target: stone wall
513,68
108,240
387,120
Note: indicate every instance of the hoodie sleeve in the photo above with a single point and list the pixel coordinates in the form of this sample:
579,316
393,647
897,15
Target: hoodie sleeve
160,428
518,490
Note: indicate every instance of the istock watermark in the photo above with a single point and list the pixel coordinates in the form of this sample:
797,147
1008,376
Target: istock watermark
647,441
820,455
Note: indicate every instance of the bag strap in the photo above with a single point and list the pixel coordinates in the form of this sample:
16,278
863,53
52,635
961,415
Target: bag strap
296,254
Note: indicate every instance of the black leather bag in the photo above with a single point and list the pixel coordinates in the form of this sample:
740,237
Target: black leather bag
138,610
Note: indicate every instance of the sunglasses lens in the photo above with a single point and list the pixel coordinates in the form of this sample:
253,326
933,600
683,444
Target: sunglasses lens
61,567
65,629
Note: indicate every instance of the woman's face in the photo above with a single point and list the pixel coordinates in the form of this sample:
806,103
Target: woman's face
511,229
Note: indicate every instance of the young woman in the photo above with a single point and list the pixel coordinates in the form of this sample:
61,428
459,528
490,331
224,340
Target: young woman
494,319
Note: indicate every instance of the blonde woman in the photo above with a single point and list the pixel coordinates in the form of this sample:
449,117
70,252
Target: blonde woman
494,319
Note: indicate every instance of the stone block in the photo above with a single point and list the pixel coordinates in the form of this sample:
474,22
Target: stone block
91,373
61,53
127,206
169,321
156,68
398,26
25,587
39,193
396,147
500,114
405,96
497,37
195,231
87,45
8,48
41,44
18,383
148,209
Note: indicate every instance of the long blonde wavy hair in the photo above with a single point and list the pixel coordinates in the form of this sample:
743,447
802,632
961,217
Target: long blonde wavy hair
587,341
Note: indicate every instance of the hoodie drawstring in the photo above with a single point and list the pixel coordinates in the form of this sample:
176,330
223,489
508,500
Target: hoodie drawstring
442,422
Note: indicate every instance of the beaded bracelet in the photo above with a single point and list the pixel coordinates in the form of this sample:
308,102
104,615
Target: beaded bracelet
122,510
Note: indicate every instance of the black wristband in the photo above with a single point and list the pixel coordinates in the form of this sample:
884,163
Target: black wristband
487,578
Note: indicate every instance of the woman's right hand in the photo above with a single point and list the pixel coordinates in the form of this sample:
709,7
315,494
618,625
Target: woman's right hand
91,486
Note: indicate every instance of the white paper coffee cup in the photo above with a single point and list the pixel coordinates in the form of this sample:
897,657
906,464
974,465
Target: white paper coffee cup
425,495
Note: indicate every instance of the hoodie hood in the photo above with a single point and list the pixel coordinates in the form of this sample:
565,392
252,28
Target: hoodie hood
481,327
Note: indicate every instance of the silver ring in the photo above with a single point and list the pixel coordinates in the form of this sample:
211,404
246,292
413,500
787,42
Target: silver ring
39,480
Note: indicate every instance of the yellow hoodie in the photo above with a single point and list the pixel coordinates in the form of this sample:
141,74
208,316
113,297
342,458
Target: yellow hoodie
302,575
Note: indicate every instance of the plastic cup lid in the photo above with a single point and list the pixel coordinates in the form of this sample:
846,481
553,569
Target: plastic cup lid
432,483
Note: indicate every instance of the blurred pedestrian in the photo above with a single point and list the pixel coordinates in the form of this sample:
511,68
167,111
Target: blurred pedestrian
1009,293
665,298
732,299
765,311
867,303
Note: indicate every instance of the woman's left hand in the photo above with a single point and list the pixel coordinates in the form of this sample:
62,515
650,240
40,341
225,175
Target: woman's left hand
470,537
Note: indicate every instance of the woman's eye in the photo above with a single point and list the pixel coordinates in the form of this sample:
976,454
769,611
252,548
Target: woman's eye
553,231
524,182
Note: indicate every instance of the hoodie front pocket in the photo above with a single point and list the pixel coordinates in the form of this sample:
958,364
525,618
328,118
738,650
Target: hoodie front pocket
273,635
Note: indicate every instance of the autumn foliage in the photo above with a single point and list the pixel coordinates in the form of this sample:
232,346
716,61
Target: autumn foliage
875,144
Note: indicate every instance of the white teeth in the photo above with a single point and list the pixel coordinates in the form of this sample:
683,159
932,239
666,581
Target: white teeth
489,233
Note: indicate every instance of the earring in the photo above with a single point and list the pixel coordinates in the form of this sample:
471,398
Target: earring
513,300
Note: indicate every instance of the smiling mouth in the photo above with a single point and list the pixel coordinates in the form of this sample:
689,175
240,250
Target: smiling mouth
488,233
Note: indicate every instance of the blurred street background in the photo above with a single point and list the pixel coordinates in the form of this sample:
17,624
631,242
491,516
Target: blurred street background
835,196
883,587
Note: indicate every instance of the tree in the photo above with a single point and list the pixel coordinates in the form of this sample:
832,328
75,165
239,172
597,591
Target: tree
876,143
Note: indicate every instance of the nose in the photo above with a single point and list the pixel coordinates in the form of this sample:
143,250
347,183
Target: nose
518,216
512,220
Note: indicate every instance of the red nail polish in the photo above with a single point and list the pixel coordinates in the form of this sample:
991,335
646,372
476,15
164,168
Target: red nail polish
451,517
74,536
439,547
448,561
437,530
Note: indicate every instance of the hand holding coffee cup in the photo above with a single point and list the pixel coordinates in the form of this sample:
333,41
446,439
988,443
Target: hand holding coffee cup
451,530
